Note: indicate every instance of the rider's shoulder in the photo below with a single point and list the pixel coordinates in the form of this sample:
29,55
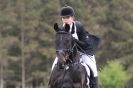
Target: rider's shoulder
78,23
80,27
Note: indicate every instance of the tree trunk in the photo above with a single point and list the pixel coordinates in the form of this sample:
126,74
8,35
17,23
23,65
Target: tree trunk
1,77
22,43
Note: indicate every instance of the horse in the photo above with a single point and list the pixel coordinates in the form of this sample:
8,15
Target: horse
69,71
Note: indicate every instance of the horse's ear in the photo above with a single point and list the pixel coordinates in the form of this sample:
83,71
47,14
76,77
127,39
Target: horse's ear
67,27
56,28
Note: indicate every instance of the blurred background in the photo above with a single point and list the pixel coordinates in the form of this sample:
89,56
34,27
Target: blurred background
27,40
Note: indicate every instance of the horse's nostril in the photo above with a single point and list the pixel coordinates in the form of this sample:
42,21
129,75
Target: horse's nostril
64,87
59,52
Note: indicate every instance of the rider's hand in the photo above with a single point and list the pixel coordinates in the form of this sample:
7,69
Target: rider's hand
81,43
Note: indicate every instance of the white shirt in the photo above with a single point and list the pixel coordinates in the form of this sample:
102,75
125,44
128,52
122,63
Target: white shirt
75,31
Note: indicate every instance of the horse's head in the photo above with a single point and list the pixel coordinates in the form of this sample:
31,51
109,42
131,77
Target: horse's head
64,43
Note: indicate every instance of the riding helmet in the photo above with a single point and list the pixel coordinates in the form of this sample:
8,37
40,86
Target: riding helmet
67,11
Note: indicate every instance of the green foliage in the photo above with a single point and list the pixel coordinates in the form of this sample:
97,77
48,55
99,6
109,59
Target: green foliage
111,20
113,75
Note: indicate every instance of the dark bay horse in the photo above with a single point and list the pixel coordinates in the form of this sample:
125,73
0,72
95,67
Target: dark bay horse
68,72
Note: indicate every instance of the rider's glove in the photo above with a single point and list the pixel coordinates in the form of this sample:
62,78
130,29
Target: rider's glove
80,43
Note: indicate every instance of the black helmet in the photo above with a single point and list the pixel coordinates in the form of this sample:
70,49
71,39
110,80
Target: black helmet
67,11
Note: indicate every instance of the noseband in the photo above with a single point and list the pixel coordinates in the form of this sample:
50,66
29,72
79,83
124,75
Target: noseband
67,50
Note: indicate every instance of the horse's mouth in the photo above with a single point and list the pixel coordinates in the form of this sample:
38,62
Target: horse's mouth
63,56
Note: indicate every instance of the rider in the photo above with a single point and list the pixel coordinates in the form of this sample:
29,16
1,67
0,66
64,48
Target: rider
67,15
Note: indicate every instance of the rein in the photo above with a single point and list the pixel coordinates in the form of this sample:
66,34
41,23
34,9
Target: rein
84,52
70,51
66,66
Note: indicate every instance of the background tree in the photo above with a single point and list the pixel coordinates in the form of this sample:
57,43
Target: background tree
111,20
113,75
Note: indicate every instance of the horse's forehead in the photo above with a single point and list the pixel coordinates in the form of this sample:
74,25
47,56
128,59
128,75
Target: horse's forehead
63,34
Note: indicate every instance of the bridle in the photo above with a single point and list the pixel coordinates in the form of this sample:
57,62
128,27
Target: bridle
67,50
66,67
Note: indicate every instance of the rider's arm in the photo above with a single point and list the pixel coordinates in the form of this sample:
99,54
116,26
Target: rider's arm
82,35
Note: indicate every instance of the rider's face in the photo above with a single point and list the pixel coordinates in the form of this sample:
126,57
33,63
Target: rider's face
67,19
